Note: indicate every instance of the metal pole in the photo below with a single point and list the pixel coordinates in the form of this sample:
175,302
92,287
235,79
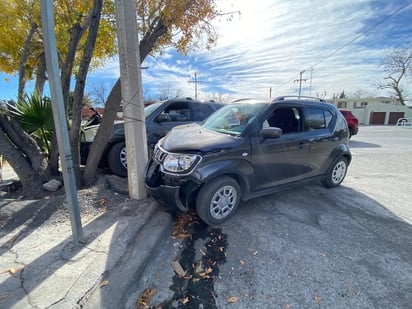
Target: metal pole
195,86
59,117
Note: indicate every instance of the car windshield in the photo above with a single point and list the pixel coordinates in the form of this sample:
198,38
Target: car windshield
148,110
233,118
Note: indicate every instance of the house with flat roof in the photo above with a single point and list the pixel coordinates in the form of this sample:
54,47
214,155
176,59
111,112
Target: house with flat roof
375,111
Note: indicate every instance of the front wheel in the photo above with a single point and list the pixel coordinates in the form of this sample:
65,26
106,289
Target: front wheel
336,173
218,200
116,159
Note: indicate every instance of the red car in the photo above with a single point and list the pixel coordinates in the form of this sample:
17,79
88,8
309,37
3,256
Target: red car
353,122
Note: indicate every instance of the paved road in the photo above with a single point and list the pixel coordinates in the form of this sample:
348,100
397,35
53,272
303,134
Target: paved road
312,247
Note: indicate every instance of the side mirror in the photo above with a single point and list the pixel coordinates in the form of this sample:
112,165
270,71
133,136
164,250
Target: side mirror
271,132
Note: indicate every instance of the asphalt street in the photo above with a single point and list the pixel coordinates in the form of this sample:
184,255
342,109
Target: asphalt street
311,247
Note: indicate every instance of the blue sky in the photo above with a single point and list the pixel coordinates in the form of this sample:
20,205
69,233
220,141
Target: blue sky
338,44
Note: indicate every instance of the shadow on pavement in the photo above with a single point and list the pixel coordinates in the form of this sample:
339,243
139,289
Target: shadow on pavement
359,144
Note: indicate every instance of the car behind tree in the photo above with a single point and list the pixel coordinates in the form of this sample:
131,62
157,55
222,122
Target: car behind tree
160,117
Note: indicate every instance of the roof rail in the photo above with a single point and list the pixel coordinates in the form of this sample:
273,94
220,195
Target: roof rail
288,97
240,100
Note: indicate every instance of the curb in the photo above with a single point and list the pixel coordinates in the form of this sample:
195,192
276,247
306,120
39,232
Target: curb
130,266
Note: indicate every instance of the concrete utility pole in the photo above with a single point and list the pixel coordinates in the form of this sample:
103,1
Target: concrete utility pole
59,117
300,81
132,97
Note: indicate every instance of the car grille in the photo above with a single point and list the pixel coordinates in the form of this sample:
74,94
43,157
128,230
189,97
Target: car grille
159,154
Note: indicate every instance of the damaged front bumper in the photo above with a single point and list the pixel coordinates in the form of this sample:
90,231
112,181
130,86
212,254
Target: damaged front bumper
172,193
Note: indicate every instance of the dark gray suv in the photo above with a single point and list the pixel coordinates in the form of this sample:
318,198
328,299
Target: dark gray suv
248,149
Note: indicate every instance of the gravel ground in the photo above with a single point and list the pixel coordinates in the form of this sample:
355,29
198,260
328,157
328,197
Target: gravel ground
15,210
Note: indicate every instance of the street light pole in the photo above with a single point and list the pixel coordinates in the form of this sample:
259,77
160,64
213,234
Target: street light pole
59,118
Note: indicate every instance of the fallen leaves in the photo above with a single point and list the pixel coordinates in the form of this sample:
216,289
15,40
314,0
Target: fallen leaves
4,296
102,201
183,221
206,273
144,300
185,300
242,263
232,299
104,283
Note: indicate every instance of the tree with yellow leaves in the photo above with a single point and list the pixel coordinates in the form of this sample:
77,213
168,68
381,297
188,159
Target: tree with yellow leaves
86,36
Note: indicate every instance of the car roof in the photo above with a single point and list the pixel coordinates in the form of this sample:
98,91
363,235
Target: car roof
298,100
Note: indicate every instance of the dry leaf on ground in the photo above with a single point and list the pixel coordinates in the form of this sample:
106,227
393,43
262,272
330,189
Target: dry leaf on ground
232,299
144,300
185,300
104,283
11,271
4,296
184,220
316,298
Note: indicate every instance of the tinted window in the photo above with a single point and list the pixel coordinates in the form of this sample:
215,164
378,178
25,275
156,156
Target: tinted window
178,112
317,118
200,111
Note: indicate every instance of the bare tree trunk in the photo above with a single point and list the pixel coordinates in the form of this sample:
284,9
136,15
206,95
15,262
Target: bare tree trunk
67,69
41,74
112,105
23,59
80,85
23,154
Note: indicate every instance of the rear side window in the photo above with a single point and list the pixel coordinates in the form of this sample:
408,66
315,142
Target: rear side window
317,118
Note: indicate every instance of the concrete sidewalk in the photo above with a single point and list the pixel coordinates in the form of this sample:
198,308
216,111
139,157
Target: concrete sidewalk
41,267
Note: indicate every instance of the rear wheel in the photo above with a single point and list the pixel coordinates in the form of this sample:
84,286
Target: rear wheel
218,200
116,159
336,173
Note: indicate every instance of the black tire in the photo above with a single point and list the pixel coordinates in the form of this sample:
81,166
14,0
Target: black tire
351,131
336,173
116,159
218,200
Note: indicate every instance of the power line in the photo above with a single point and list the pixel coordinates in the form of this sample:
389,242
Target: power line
350,42
362,34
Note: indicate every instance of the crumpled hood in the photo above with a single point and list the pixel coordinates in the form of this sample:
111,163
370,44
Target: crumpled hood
193,137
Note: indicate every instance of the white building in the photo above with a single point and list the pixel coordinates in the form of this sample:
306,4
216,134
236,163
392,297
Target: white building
381,110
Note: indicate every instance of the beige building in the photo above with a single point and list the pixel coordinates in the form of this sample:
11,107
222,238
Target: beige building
381,110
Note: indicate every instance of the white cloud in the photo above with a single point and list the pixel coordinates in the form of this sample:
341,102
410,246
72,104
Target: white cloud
271,41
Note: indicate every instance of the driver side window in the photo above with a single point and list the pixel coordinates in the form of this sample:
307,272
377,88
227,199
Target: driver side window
286,118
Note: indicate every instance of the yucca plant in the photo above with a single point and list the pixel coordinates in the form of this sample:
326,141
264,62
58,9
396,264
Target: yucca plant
35,115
